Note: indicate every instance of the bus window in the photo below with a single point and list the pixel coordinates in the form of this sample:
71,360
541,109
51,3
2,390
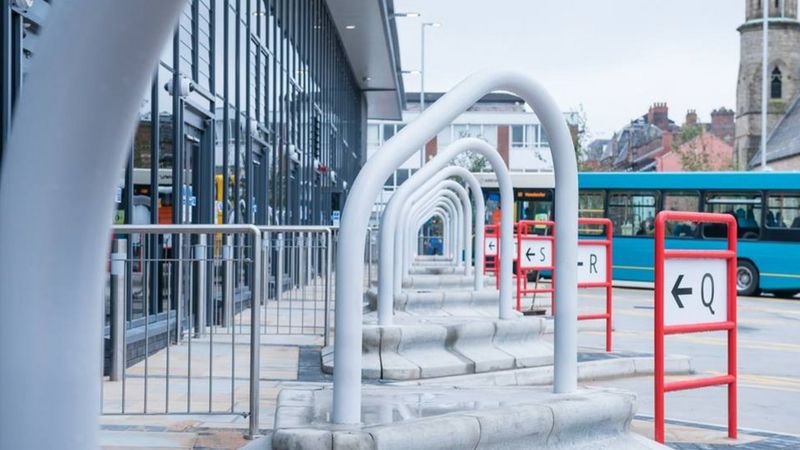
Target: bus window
633,213
783,211
681,201
745,206
534,204
591,204
492,207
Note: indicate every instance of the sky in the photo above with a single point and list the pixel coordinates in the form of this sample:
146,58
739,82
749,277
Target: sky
613,58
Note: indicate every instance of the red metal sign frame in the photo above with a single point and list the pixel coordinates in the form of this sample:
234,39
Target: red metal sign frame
523,233
729,325
491,231
608,284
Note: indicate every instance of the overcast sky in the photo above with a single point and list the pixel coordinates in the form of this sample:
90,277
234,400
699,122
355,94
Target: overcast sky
614,57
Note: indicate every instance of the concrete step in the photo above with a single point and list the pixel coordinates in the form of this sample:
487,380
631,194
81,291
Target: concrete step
443,281
437,269
447,346
432,258
463,418
451,302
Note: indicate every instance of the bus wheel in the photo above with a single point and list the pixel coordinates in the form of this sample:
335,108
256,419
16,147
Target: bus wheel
746,278
786,293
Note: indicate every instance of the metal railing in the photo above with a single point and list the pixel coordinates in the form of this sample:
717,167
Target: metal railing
298,278
173,294
186,306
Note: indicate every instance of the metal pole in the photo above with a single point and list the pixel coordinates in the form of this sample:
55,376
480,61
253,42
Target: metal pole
279,271
117,307
81,144
255,338
200,286
328,284
227,282
764,84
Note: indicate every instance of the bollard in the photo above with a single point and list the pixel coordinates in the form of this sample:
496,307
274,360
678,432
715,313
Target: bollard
117,308
227,282
199,286
255,342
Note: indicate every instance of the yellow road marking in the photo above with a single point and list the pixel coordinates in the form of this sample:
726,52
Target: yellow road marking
770,310
787,384
743,343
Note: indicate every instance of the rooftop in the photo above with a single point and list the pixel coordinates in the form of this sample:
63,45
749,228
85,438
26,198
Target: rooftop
784,141
369,36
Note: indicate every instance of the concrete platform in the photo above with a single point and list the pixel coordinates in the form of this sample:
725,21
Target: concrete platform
432,347
461,418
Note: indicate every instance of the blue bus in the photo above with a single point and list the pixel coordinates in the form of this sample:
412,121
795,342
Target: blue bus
765,204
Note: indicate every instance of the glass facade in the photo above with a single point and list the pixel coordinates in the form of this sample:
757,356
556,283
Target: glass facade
254,115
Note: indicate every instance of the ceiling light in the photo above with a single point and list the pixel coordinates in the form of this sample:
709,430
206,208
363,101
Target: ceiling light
350,27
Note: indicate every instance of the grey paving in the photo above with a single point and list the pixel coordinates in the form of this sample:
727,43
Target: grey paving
765,440
768,359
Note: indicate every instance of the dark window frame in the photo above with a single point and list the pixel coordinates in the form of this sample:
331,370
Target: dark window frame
776,84
696,234
740,234
656,193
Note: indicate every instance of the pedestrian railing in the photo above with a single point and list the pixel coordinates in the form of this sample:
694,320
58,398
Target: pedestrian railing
298,276
186,306
173,294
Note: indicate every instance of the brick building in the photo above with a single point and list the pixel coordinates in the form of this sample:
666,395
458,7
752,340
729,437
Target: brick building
640,145
501,119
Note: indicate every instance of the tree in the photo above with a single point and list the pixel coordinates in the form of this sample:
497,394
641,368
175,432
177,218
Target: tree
471,161
581,137
579,129
694,151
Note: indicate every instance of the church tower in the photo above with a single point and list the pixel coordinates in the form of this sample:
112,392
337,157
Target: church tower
783,69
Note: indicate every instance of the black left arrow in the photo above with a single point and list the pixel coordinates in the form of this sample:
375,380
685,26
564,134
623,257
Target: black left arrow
528,253
677,291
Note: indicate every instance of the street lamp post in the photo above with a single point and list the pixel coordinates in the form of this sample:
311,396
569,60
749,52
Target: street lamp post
422,80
